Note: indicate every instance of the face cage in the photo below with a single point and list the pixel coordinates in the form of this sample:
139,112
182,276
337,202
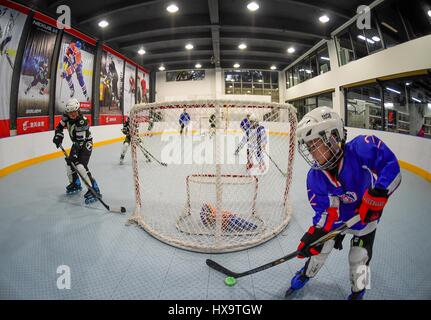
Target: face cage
326,148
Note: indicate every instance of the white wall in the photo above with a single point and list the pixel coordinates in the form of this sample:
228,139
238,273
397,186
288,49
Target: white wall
411,149
409,56
24,147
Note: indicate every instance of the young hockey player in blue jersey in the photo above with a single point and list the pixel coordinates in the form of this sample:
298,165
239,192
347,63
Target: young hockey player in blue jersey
256,139
345,179
79,132
184,121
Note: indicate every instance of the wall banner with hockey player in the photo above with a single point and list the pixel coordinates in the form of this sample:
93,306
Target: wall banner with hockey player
111,89
33,97
129,88
143,89
74,75
11,27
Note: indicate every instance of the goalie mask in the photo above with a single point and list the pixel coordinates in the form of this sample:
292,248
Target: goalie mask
321,137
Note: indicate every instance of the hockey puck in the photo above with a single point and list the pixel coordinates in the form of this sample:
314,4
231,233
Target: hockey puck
123,210
230,281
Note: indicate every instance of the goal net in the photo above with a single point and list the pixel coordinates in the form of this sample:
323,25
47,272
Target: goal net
223,191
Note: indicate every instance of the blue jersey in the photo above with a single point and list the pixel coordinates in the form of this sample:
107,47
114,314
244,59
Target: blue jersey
184,118
367,162
245,126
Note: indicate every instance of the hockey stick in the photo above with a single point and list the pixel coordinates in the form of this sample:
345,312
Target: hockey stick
212,264
147,153
275,164
111,209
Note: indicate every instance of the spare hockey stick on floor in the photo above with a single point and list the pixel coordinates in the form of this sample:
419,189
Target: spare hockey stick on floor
275,164
147,153
95,194
212,264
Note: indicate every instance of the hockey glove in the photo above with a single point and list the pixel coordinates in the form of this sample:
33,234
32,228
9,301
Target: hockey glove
373,202
309,237
58,139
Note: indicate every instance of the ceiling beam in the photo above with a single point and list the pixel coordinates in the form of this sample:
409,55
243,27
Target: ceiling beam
213,9
318,5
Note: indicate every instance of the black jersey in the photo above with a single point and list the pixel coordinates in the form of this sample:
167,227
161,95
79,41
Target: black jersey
126,129
79,129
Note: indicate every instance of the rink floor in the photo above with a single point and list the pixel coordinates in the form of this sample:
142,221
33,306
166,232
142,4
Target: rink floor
42,229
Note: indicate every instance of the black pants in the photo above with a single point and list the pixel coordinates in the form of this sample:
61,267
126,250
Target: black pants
365,242
80,154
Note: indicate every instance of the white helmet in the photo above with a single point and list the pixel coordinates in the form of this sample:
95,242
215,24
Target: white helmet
252,117
321,135
72,105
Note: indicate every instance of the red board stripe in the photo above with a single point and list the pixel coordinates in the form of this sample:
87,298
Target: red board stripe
81,36
4,128
107,119
32,124
48,20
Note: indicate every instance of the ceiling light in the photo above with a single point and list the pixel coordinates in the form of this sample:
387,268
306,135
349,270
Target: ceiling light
273,68
260,80
162,68
236,65
141,52
408,83
376,38
189,46
230,86
252,6
429,105
324,18
172,8
389,105
325,58
370,41
242,46
198,66
291,50
248,91
103,24
417,100
377,99
308,71
393,90
429,13
361,37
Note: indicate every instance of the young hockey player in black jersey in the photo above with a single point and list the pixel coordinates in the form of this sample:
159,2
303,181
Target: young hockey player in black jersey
79,132
126,143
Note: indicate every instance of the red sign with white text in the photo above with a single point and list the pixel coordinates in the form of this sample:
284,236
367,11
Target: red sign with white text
106,119
32,124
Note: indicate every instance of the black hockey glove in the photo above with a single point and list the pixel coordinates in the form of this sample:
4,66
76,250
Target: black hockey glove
58,139
309,237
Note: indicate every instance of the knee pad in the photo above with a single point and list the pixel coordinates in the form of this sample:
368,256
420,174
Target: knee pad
69,173
359,270
315,263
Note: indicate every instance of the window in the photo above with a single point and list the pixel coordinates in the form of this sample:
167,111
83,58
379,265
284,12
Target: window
185,75
303,106
415,14
344,47
311,66
373,38
359,42
391,24
325,100
406,104
252,82
364,107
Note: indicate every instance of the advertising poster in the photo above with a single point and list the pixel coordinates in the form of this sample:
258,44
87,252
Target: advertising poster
11,26
111,89
143,90
33,96
74,75
129,88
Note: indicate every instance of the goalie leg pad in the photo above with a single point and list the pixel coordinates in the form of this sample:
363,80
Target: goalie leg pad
315,263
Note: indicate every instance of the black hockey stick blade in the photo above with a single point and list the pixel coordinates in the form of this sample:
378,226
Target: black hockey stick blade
214,265
113,209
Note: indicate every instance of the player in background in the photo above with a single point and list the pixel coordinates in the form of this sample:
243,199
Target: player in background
184,121
126,142
345,179
213,122
6,35
79,132
245,127
150,124
72,63
41,75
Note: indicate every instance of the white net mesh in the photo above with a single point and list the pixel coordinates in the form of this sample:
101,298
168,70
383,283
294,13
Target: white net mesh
197,193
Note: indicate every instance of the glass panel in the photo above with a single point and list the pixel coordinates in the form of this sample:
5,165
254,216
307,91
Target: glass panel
323,60
266,77
325,100
396,106
359,41
231,76
274,77
391,25
363,107
246,75
257,89
229,87
313,66
416,15
267,89
344,47
372,38
257,76
246,88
